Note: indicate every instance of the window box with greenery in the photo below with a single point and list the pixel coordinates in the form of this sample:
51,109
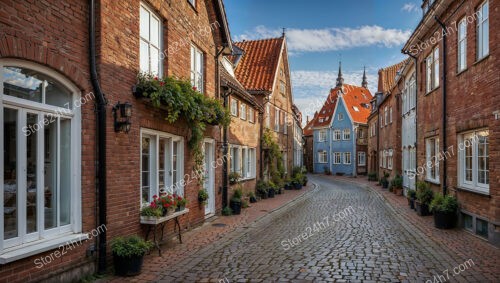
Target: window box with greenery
424,198
180,202
151,211
444,209
128,254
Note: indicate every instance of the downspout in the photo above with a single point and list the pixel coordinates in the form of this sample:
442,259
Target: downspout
224,131
101,143
443,26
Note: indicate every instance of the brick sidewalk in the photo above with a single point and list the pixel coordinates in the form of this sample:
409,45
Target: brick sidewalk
208,233
463,244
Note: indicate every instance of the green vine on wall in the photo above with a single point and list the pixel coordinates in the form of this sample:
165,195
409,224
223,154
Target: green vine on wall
181,100
273,154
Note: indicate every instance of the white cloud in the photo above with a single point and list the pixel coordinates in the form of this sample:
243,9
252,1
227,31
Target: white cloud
332,39
310,88
410,7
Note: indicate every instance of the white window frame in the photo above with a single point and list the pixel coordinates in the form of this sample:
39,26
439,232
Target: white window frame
337,158
197,68
24,244
282,87
285,124
462,45
432,161
276,119
337,135
341,116
482,35
322,135
154,162
473,184
432,70
234,107
347,158
251,115
384,159
390,114
268,116
386,115
322,157
151,45
389,159
346,134
243,111
361,158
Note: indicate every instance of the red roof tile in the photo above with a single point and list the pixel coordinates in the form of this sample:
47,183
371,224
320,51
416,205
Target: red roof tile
257,68
308,129
357,101
387,76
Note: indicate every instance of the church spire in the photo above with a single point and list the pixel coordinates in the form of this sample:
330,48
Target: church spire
365,82
340,79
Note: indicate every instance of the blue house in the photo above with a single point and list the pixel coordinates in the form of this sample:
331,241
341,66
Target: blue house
340,129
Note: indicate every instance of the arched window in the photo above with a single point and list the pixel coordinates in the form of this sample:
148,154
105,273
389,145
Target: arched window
40,155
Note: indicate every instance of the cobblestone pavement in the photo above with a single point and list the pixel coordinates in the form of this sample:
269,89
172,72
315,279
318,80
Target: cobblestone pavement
368,242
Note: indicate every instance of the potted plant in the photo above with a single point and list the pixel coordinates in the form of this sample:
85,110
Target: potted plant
271,189
262,189
424,198
235,202
411,195
203,196
444,209
385,180
180,202
288,184
168,204
226,211
372,176
397,185
234,178
128,254
151,211
251,197
304,180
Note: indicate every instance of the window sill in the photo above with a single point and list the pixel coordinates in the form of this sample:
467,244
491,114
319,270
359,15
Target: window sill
432,90
27,250
435,182
461,71
481,59
474,191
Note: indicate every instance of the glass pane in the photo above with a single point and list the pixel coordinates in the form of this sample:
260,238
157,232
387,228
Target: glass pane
155,61
483,158
10,173
65,172
23,83
144,56
145,169
31,164
175,178
161,164
486,38
50,176
144,23
481,227
57,95
155,32
467,221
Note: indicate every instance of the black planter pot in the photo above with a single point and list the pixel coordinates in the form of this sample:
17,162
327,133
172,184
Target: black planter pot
444,220
271,193
385,185
180,208
137,92
235,206
127,266
253,200
297,186
264,195
411,203
288,186
305,183
422,209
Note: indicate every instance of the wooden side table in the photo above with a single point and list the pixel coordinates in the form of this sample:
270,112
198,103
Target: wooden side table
158,224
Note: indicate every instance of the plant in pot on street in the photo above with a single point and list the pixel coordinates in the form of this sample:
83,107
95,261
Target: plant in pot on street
424,198
262,189
234,178
372,176
298,181
251,197
385,180
411,195
397,185
235,202
227,211
271,189
203,196
128,254
288,184
444,209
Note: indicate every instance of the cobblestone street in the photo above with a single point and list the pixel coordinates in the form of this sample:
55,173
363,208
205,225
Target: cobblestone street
371,243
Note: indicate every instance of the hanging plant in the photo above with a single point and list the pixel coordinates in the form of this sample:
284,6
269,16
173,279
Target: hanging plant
182,100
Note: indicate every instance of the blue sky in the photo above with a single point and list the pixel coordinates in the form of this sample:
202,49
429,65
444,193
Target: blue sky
362,32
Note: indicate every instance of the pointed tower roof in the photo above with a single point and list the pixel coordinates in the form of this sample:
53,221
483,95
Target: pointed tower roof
340,79
365,82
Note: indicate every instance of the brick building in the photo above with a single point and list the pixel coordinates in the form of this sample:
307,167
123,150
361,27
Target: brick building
244,133
263,69
309,144
389,120
44,58
456,52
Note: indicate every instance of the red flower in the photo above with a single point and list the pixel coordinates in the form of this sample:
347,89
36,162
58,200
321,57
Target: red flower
194,88
153,204
162,83
156,78
170,197
155,197
179,198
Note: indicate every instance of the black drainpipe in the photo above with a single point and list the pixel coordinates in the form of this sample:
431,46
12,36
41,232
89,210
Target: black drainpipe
443,26
101,144
225,146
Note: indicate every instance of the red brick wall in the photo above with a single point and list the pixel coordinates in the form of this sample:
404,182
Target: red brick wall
390,135
372,155
54,34
472,97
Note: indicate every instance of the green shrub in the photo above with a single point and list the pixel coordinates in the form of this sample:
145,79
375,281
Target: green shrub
372,176
412,194
130,246
262,188
227,211
424,193
445,204
152,211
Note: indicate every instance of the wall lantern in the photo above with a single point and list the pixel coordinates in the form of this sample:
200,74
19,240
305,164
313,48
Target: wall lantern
122,112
